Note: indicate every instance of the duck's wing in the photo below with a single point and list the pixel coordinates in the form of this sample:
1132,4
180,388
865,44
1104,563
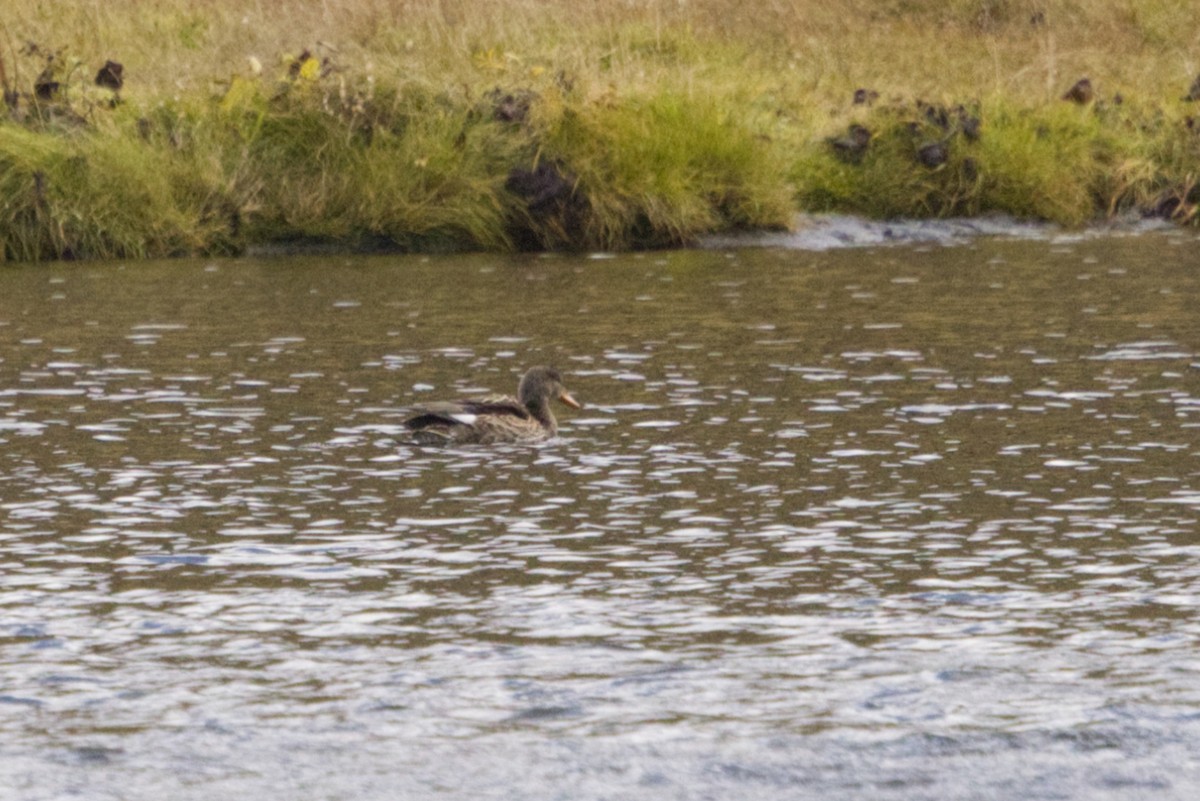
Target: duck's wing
467,412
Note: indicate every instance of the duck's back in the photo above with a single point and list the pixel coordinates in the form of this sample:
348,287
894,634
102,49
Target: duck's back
496,418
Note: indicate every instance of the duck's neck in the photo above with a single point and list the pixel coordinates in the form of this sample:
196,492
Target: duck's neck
541,412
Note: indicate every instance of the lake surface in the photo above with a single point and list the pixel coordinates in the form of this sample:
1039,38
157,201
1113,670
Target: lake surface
915,521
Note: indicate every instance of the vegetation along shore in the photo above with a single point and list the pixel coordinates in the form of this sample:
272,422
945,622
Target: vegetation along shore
164,127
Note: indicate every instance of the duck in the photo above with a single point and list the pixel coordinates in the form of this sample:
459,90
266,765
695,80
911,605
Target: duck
851,147
1082,92
496,418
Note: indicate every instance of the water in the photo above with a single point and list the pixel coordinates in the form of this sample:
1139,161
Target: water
908,522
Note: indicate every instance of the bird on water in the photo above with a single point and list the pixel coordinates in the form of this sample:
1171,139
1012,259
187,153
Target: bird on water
496,418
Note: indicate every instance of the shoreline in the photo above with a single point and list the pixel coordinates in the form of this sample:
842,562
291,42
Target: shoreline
817,233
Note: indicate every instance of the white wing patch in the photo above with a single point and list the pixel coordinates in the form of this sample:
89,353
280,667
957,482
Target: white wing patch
466,418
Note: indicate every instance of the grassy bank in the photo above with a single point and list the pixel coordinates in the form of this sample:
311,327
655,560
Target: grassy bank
621,123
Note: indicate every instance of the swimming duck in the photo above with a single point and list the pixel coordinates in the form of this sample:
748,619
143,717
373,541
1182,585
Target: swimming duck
496,418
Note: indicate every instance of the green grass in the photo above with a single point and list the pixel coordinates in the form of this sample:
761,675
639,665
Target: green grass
663,169
550,124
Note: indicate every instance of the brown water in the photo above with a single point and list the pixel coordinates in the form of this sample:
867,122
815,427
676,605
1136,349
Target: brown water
913,522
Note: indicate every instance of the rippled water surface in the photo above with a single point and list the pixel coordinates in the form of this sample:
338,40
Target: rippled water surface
908,522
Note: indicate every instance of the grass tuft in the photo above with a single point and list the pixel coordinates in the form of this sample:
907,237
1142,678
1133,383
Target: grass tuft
663,169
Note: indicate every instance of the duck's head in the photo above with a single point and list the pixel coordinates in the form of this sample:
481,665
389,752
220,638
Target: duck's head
541,384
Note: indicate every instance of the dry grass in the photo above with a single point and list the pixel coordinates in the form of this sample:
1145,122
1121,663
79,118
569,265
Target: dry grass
1033,48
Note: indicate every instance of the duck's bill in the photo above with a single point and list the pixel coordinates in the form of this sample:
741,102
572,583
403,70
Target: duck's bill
567,399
